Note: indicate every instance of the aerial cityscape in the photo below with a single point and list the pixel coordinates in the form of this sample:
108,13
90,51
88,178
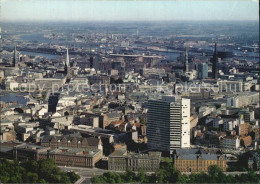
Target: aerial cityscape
129,92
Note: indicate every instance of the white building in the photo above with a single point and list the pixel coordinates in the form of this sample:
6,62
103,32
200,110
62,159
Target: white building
168,125
66,101
243,99
230,142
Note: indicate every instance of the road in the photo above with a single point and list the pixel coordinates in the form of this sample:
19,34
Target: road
84,173
227,173
87,173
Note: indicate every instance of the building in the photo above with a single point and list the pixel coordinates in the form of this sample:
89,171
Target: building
243,99
230,142
168,125
186,61
246,141
202,70
67,65
15,62
75,157
243,129
7,135
254,160
215,64
120,160
195,160
71,141
151,72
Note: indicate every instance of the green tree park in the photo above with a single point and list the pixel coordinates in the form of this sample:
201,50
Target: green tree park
31,171
167,174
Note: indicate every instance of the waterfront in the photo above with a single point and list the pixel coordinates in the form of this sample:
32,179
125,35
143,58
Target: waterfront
13,97
49,56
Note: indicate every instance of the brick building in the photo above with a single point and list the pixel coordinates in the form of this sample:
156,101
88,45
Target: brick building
246,141
195,160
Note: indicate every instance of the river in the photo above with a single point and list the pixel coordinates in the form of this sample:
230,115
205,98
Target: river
13,97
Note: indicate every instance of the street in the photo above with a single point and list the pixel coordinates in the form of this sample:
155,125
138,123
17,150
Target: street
84,173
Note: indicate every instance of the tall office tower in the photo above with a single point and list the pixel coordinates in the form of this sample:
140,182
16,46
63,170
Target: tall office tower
215,64
186,61
67,65
15,63
202,70
91,62
168,126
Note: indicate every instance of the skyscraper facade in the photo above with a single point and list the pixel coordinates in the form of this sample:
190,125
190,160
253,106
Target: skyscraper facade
186,61
15,62
215,64
168,126
202,70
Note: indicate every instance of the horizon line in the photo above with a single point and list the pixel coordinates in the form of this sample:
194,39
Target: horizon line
86,21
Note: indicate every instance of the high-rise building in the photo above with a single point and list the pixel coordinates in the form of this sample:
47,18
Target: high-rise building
15,63
215,64
168,126
91,62
186,68
202,70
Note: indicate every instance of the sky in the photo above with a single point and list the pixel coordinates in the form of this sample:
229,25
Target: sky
132,10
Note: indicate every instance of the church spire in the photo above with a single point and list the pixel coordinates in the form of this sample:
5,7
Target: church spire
67,66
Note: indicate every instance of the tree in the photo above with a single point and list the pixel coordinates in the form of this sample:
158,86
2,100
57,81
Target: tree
95,180
182,178
167,173
43,171
141,176
129,176
33,177
73,177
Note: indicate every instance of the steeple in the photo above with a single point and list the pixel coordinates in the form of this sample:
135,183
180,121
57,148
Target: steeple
67,66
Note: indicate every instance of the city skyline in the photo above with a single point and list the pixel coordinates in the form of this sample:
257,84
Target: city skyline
80,10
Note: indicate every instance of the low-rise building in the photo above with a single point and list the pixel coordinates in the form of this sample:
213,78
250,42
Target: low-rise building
195,160
230,142
71,141
75,157
246,141
7,135
120,160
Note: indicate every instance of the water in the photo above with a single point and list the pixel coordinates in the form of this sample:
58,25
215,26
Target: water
49,56
34,37
14,97
169,55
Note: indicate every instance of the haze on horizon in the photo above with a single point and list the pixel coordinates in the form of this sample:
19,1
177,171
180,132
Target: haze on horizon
121,10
